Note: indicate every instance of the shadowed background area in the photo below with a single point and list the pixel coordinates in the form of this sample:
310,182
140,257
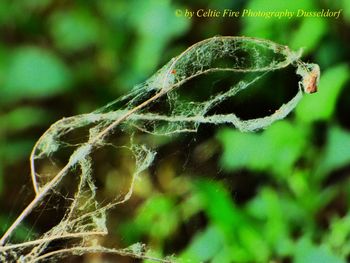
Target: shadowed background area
217,195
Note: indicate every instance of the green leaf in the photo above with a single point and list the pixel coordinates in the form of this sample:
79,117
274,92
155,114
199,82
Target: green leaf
17,12
204,246
74,30
1,177
273,28
337,150
306,252
155,23
275,211
330,52
339,235
33,73
12,151
34,5
302,37
218,205
321,105
114,11
276,149
4,61
345,5
239,233
158,217
23,118
156,18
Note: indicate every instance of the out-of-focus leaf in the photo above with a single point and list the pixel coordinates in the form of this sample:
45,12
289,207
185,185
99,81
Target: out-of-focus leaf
330,52
204,246
302,37
253,243
75,29
114,11
6,12
22,118
17,12
245,241
337,150
34,5
224,255
33,73
156,19
4,61
155,23
191,206
276,212
11,151
158,217
306,252
310,197
298,183
273,28
1,177
345,9
321,105
219,206
277,148
339,235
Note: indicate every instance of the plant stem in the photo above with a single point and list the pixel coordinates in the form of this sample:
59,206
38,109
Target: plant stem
41,194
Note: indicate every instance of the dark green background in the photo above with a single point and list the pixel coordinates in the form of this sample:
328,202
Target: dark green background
280,195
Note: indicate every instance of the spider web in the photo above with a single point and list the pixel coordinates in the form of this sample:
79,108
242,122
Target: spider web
86,217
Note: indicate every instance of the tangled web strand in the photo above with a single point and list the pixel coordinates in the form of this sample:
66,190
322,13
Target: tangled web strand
85,218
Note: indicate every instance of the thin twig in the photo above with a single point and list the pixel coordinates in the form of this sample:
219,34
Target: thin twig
49,239
82,250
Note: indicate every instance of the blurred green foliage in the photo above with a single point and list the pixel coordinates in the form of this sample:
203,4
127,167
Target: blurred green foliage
60,58
33,73
282,143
